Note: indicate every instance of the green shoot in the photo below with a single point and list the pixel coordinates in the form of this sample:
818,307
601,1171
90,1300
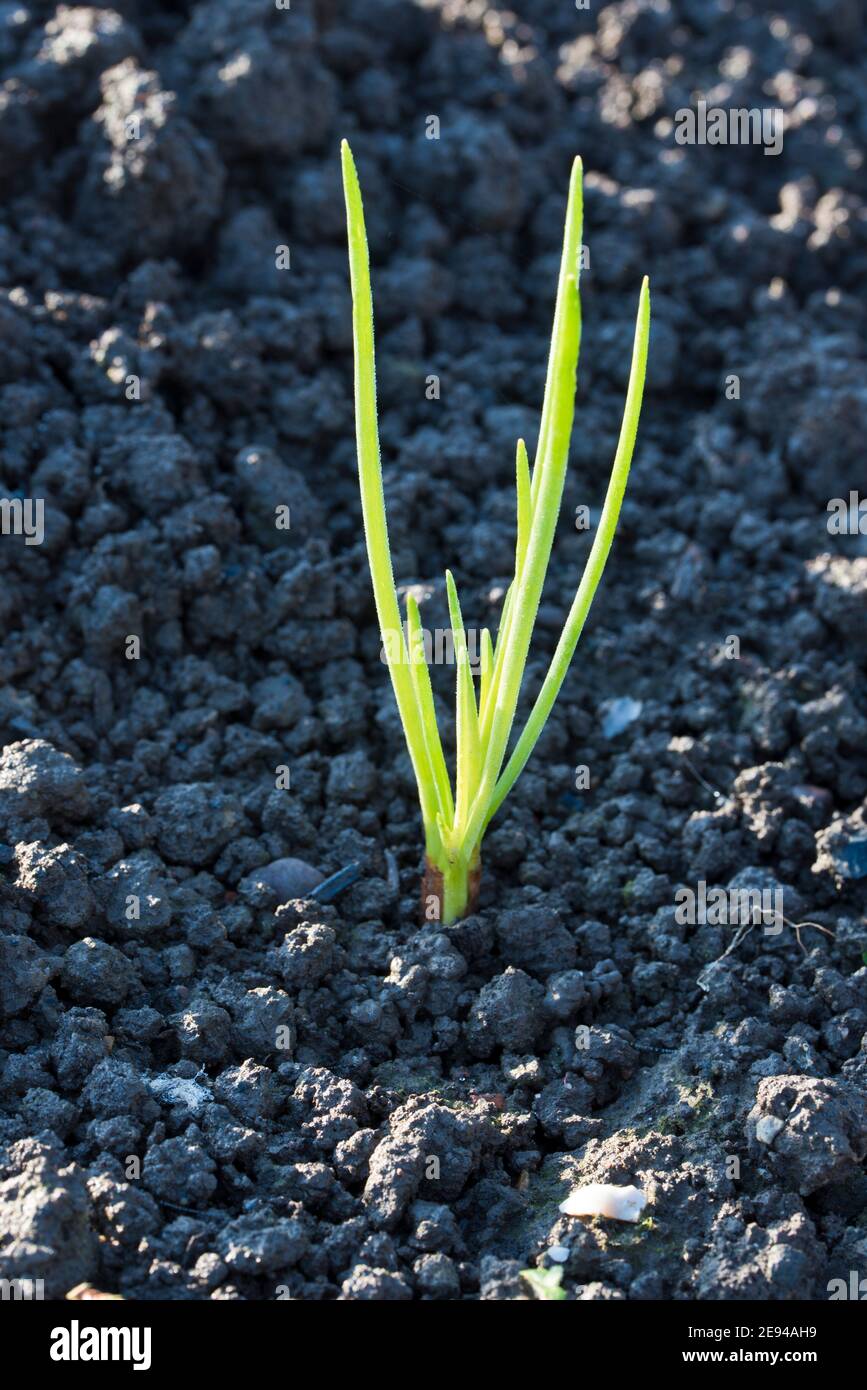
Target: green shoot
545,1284
455,824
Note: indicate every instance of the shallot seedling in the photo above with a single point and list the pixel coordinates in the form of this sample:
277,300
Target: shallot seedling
455,818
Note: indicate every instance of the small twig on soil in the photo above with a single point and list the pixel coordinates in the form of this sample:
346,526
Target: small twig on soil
393,879
718,796
796,928
743,932
329,888
736,940
173,1206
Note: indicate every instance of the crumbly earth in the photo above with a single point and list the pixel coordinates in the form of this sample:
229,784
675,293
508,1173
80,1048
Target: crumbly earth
213,1084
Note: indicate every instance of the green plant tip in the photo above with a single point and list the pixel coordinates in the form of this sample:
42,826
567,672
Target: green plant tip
455,820
545,1284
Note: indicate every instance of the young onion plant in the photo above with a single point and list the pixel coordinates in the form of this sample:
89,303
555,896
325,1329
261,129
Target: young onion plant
455,820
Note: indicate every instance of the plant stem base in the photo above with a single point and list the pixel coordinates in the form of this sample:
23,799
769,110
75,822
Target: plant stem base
446,897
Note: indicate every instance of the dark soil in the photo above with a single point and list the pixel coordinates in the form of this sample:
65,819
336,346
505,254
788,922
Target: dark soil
213,1084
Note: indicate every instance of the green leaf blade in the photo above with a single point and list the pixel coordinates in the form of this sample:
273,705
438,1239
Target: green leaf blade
596,560
523,486
468,740
424,697
546,493
373,498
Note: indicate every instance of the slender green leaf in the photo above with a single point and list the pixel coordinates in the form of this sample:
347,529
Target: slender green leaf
546,424
424,697
522,471
522,533
548,479
468,757
372,497
486,668
595,562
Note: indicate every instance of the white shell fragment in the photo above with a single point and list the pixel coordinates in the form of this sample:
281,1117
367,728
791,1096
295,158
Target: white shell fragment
173,1090
619,714
602,1199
